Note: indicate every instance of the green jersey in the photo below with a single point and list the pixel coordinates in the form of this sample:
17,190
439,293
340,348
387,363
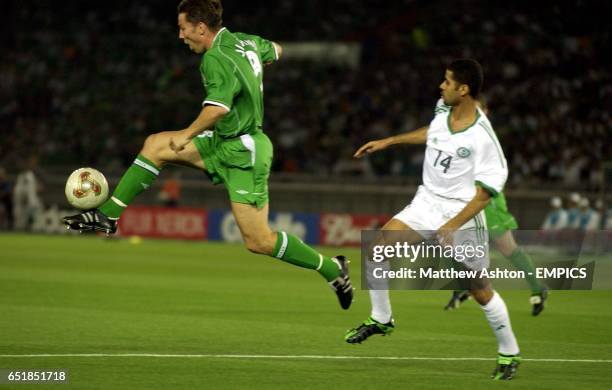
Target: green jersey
232,73
499,219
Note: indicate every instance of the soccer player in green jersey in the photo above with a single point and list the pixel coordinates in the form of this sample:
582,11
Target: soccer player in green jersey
226,141
500,223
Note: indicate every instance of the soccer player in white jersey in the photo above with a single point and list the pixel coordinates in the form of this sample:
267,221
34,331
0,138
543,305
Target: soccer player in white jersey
464,167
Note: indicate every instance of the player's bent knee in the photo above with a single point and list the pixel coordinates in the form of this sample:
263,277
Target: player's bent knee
256,246
507,248
482,296
259,244
157,147
506,251
152,145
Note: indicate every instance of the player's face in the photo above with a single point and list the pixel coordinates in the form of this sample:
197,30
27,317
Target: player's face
191,34
449,90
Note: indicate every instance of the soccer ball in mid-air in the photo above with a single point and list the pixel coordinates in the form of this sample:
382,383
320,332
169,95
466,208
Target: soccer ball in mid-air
86,188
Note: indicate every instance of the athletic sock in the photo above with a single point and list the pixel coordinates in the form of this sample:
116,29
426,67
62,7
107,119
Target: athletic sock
381,305
291,249
499,319
523,262
379,291
138,177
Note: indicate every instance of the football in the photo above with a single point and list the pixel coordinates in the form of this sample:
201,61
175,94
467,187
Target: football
86,188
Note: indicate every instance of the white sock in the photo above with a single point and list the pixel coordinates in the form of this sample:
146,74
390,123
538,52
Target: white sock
379,292
497,315
381,305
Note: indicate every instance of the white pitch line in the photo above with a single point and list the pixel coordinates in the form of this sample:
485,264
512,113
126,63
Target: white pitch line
329,357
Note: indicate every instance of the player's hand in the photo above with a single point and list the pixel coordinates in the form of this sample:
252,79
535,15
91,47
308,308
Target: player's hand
371,147
178,144
444,235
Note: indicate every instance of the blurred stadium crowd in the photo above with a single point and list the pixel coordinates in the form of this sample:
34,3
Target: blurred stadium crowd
83,83
23,205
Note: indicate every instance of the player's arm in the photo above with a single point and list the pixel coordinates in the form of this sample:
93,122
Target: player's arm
416,137
278,50
490,174
209,115
221,88
269,51
474,206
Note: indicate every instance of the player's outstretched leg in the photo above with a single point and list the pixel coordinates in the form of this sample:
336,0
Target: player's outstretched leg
381,320
341,284
506,367
139,176
457,298
368,328
537,301
539,293
497,315
91,221
523,262
259,238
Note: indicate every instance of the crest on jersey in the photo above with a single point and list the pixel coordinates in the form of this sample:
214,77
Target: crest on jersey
463,152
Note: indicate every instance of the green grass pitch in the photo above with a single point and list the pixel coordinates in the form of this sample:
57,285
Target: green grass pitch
87,295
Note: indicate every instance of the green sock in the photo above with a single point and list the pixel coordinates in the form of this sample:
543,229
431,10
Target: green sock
523,262
139,176
291,249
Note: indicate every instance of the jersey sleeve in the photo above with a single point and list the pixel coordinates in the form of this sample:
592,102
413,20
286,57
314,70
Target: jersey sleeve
220,82
265,48
490,167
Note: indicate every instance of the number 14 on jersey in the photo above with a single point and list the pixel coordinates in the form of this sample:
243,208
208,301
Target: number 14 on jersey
445,162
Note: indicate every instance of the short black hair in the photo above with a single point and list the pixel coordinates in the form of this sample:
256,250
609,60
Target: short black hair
469,72
209,12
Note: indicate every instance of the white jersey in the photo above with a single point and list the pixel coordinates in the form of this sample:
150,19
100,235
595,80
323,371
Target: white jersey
456,162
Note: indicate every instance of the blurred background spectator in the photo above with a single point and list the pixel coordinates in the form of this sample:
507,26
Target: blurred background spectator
170,193
6,201
87,81
27,203
573,210
556,219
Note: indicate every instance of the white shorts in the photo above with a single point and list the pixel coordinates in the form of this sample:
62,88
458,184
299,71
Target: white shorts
428,212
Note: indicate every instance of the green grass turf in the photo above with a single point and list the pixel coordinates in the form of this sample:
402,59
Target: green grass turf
78,294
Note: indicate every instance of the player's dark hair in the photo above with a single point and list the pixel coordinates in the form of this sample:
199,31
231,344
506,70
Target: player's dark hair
469,72
209,12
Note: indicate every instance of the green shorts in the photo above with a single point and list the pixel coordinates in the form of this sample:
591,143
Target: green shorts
499,219
242,163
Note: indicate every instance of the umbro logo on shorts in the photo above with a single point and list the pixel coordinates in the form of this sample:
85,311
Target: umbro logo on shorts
244,192
206,133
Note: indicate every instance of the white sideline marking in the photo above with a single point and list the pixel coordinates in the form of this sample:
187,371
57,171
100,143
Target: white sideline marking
329,357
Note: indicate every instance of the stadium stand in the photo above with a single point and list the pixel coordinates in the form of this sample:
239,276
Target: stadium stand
548,83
